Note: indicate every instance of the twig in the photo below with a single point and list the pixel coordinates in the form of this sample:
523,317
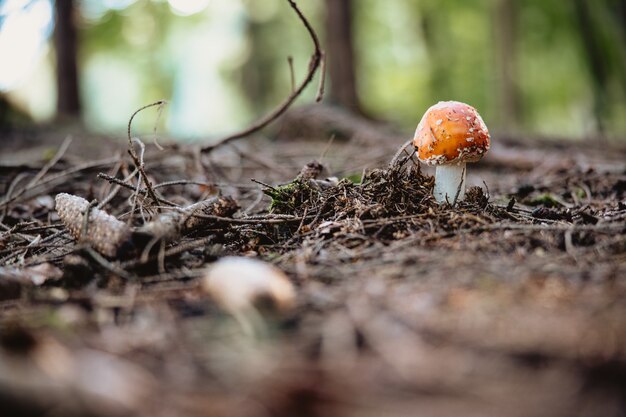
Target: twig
18,228
156,122
322,84
123,183
116,189
42,172
271,165
8,198
314,63
85,227
57,157
458,189
248,221
108,191
175,276
60,175
108,265
398,154
117,181
331,139
33,182
292,76
264,184
606,228
180,248
133,154
182,182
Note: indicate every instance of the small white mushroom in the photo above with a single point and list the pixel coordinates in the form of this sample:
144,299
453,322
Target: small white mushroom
236,284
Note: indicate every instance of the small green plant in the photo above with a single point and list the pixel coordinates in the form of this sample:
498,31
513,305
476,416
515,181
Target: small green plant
290,198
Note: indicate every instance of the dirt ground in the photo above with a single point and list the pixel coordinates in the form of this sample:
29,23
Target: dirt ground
512,303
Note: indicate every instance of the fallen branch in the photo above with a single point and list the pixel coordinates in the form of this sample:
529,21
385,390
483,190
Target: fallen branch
314,64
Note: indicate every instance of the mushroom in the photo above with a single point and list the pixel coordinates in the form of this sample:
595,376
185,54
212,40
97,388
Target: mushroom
450,135
239,285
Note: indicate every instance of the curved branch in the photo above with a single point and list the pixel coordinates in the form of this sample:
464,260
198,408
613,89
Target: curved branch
314,64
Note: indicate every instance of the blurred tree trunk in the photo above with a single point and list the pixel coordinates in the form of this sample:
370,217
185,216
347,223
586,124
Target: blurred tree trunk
509,101
595,60
65,41
340,60
429,18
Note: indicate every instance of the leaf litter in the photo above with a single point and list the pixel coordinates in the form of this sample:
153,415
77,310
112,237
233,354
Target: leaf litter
423,302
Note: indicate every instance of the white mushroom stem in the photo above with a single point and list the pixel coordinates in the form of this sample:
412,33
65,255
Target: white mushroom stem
449,183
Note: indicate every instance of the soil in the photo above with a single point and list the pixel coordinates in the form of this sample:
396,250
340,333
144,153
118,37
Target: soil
511,303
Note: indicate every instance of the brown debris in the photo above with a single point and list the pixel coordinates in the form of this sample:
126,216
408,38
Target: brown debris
188,219
403,306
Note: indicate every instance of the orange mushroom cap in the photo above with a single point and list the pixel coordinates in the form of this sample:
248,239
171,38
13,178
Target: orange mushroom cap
451,132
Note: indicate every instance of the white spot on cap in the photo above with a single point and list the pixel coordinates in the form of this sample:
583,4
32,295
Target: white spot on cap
469,139
438,122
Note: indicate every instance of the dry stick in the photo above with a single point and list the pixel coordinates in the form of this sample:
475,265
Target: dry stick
60,175
117,181
57,157
161,258
133,202
314,63
115,189
35,246
174,276
291,74
398,154
264,184
270,216
458,189
255,203
331,139
108,265
42,172
34,259
180,248
107,191
37,228
274,219
259,160
123,183
133,154
41,259
605,228
322,84
8,197
248,221
156,122
182,182
146,251
85,226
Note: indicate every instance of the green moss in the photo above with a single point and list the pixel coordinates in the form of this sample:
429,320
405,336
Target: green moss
354,178
545,199
284,197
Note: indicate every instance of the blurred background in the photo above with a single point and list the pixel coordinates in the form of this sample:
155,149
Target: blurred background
538,67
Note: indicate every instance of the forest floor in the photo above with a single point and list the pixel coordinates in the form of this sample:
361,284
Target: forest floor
512,303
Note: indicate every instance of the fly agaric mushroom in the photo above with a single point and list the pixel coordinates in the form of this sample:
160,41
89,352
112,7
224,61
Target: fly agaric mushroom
450,135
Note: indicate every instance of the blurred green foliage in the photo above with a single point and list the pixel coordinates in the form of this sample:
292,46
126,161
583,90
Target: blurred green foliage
568,61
